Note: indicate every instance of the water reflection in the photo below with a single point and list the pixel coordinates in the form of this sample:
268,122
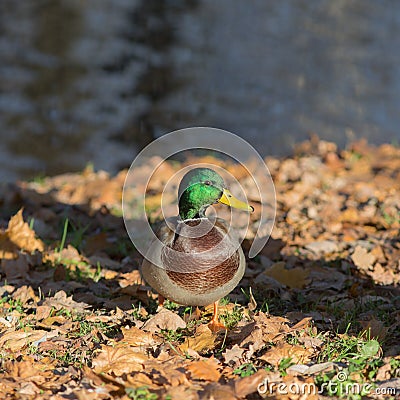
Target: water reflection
96,80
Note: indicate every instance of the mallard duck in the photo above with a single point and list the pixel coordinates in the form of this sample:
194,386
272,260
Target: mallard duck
197,260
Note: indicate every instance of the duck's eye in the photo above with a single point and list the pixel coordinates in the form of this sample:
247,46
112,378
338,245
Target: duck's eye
208,183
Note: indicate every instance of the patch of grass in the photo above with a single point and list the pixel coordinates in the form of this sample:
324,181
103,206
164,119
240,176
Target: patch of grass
272,304
80,271
152,306
85,271
31,222
245,369
224,301
24,323
171,335
355,156
77,232
67,357
140,313
8,304
64,235
338,349
361,360
341,385
140,393
284,364
395,367
32,349
188,310
170,305
389,218
231,318
121,249
97,274
117,211
39,179
64,313
86,327
348,317
292,339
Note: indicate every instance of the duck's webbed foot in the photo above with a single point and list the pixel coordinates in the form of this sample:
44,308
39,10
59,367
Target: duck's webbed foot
215,325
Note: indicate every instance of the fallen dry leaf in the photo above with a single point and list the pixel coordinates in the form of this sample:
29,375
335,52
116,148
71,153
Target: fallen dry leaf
49,321
19,233
104,261
135,337
174,376
43,312
293,278
383,373
276,354
165,319
255,338
219,391
252,305
362,259
206,370
99,381
96,243
374,328
118,360
233,355
16,340
385,276
182,393
249,384
38,371
303,324
302,369
273,328
8,249
139,379
15,268
61,300
130,278
202,341
323,247
24,294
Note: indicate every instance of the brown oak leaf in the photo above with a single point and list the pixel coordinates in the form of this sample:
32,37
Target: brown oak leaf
118,360
165,319
22,235
205,370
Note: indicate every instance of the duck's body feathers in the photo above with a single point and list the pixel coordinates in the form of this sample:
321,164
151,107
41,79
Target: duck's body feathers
198,262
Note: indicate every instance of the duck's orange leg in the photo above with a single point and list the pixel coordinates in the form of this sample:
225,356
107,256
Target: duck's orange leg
215,325
161,300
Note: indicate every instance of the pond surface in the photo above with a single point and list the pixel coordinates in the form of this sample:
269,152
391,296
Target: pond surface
95,80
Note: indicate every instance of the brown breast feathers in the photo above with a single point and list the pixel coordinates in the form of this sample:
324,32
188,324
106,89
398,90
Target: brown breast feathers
201,257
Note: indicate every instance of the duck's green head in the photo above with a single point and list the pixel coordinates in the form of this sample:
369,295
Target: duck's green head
200,188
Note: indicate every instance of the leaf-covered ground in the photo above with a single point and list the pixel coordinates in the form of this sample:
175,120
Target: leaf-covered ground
317,310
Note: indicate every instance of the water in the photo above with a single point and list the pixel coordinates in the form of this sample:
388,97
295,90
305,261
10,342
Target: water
96,80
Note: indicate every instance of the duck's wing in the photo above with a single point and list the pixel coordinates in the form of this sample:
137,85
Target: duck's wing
164,230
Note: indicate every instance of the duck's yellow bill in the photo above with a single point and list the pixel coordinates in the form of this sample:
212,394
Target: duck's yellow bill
228,199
